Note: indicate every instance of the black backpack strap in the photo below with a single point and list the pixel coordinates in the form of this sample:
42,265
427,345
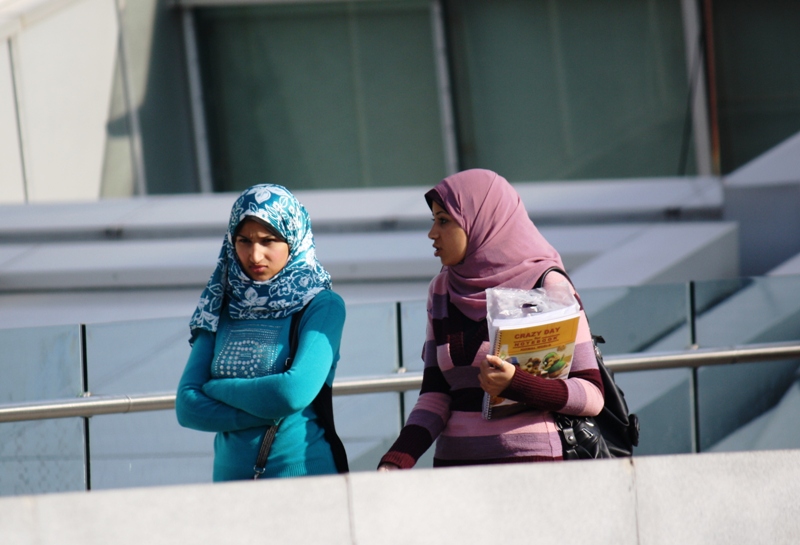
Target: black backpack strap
323,404
540,282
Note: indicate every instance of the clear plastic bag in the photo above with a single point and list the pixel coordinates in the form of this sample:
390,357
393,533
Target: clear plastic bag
505,303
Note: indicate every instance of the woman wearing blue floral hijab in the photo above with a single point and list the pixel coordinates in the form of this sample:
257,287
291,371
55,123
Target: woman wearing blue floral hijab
235,382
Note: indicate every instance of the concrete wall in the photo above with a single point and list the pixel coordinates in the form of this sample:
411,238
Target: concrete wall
62,64
689,499
82,84
12,189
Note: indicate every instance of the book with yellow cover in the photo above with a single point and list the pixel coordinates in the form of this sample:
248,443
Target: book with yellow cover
541,342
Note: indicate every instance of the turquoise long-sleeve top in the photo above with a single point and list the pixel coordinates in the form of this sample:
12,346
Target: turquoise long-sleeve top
234,384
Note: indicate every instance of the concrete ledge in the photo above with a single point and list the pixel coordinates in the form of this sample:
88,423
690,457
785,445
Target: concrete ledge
600,255
777,166
769,224
299,511
665,253
719,498
534,503
763,196
342,210
789,267
688,499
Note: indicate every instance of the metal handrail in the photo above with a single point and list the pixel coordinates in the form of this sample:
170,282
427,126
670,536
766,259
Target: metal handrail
93,405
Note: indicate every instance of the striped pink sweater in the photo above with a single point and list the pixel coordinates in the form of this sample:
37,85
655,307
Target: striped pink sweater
448,410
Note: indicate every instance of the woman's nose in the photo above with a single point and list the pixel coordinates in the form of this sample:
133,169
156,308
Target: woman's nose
431,234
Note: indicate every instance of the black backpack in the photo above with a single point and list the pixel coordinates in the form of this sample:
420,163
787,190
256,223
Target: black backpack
618,428
323,403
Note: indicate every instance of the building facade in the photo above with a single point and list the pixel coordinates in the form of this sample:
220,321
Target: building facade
102,98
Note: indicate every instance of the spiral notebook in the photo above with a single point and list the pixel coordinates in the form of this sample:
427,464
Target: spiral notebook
540,344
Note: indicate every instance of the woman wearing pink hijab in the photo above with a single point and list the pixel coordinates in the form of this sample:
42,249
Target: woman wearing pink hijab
484,238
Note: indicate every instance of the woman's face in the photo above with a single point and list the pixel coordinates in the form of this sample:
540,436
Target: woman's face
449,239
260,254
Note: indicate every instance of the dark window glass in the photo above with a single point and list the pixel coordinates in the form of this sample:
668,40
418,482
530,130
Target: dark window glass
570,89
757,58
329,95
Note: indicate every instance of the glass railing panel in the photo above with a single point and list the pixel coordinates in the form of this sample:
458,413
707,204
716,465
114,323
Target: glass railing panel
663,402
369,340
368,424
738,403
649,319
413,321
40,364
639,318
148,448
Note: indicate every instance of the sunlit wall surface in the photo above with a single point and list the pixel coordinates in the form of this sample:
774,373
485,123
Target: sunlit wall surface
12,190
93,101
61,71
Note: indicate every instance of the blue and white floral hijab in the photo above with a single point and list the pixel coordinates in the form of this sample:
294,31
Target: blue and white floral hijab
287,292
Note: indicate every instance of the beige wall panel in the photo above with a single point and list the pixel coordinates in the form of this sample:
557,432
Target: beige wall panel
65,76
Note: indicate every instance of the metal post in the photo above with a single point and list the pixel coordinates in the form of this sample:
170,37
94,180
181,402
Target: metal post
202,157
445,89
13,59
695,67
87,463
691,303
131,105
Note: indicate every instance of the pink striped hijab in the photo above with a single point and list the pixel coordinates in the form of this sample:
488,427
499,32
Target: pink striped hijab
504,247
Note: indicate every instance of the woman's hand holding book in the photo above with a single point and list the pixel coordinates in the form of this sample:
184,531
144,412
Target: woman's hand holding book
495,375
